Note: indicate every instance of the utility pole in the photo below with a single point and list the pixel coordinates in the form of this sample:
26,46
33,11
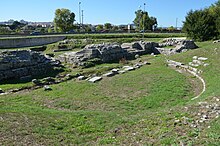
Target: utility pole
139,26
144,20
82,17
176,23
79,13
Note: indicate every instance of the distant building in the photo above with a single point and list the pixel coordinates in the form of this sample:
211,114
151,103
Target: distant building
36,24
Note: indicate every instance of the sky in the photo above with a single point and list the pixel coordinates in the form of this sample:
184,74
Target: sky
102,11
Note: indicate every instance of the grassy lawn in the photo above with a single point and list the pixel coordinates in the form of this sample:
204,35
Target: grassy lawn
136,108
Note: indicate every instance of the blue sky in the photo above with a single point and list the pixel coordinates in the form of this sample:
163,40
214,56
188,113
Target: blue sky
101,11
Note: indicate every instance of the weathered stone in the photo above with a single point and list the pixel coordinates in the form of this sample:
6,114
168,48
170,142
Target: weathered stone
128,68
137,56
81,78
202,58
47,88
122,72
36,82
108,52
216,41
109,74
48,80
195,57
192,64
197,62
180,46
138,65
115,71
206,64
105,52
135,45
24,63
95,79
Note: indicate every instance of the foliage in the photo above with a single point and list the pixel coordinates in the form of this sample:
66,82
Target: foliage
144,22
108,26
4,30
16,25
49,30
63,20
88,28
203,24
171,28
215,12
200,25
115,28
99,27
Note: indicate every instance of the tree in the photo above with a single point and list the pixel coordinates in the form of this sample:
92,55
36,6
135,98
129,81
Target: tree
16,25
4,30
88,28
171,28
199,25
49,30
115,28
203,24
143,21
64,20
99,27
108,26
214,10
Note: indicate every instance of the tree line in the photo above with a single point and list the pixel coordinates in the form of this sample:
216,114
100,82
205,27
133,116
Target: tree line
64,22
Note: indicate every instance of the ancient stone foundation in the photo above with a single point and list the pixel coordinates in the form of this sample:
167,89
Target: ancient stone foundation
108,53
23,64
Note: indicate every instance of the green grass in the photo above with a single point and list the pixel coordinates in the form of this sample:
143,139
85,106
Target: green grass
136,108
107,35
125,35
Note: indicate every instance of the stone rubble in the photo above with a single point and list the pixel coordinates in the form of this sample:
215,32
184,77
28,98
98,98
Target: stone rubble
202,113
198,61
179,45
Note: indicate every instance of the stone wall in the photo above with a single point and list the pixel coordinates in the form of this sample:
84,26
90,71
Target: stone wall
21,64
28,41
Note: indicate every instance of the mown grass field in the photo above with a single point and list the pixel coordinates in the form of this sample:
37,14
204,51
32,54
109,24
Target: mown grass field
106,35
136,108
